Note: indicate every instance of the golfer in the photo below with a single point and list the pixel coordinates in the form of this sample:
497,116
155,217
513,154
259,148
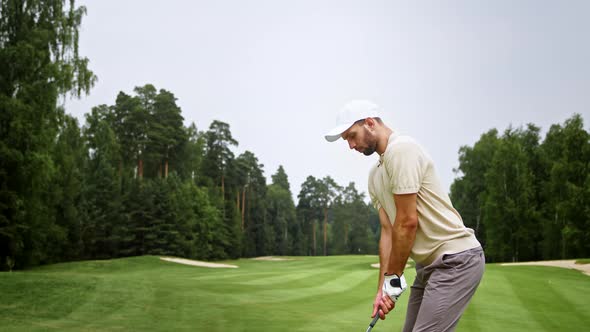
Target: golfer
417,220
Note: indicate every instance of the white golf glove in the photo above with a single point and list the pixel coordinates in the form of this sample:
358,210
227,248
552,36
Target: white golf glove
394,286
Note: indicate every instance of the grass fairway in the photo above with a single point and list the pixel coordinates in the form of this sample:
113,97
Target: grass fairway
304,294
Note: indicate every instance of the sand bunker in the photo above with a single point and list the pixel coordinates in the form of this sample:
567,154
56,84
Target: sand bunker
566,264
271,258
197,263
376,265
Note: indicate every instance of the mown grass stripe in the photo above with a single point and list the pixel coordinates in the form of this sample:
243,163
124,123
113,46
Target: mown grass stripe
306,294
540,285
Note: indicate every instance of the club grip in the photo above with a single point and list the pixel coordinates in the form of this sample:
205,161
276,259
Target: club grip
373,322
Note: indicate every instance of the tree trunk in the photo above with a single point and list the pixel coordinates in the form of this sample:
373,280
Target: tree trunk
10,262
314,242
140,168
325,230
166,169
345,235
243,206
223,194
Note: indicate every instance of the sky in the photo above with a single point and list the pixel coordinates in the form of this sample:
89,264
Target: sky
277,71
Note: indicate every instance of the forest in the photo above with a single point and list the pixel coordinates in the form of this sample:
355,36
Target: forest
528,198
134,180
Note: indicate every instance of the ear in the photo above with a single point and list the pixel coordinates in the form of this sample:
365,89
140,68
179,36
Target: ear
370,122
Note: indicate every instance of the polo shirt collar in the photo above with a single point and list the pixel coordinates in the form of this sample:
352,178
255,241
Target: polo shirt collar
390,140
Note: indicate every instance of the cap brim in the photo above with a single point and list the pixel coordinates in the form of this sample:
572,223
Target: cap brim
335,134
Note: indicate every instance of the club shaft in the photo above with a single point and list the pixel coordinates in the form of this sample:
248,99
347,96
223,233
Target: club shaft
373,322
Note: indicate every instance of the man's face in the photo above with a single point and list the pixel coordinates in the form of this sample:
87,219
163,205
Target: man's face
360,138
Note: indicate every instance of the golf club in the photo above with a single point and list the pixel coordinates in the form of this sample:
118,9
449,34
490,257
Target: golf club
373,322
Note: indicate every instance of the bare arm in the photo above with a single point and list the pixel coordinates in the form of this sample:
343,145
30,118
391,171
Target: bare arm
382,305
403,232
384,245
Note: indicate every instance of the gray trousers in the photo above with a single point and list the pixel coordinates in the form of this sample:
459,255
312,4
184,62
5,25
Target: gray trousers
442,290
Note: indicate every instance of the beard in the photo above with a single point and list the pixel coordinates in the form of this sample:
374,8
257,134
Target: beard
369,151
371,143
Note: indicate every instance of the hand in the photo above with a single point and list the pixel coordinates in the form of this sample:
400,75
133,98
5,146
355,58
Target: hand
382,305
394,286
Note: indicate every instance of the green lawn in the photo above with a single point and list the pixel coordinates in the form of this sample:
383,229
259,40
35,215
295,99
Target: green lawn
304,294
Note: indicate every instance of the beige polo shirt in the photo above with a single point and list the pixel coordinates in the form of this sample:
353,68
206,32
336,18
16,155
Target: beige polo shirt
406,168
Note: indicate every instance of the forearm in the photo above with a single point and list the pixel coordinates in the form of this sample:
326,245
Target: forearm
384,253
384,245
403,235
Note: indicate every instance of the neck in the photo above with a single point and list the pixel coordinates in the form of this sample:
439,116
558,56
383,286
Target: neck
383,139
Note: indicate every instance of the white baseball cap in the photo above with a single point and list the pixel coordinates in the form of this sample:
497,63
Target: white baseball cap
352,112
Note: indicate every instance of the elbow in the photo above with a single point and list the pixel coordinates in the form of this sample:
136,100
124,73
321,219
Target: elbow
409,223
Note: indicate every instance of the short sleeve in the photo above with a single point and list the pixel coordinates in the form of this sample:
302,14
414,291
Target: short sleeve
405,164
372,195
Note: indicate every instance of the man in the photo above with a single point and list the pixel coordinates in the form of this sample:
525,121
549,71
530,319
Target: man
417,220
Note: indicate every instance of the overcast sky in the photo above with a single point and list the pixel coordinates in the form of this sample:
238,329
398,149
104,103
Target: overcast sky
277,71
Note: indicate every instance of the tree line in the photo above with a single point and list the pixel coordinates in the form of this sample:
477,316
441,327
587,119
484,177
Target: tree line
135,180
528,199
